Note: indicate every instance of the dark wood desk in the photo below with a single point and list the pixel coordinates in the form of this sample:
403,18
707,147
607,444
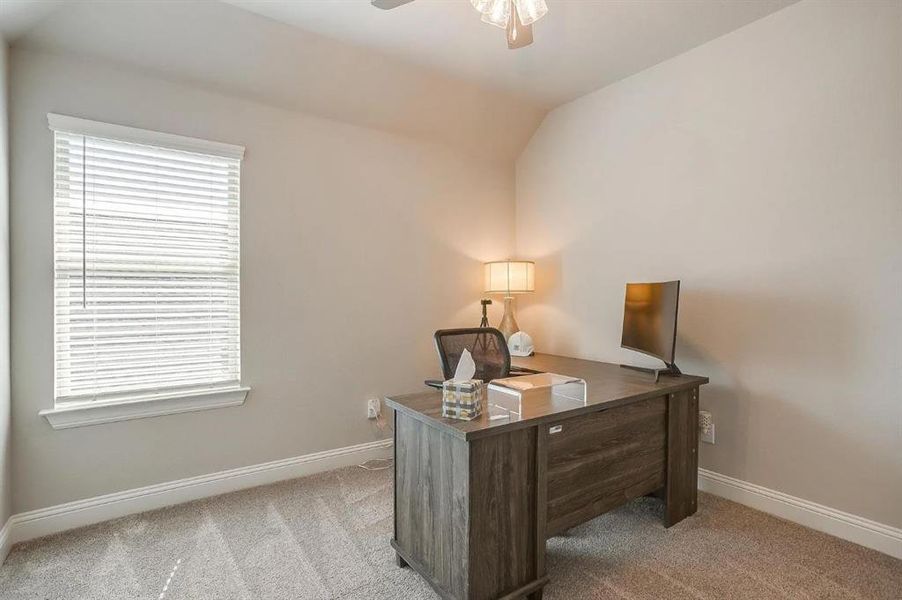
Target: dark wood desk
476,500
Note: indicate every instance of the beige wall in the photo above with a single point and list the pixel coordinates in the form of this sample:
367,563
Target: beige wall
356,244
5,438
764,169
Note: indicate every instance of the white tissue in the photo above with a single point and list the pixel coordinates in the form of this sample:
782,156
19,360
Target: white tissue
466,368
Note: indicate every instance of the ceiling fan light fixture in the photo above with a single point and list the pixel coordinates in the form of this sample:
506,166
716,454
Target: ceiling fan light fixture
494,12
530,11
500,12
518,34
514,16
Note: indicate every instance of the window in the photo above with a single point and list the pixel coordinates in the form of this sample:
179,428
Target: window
146,270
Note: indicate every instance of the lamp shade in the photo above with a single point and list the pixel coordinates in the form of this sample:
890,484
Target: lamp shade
510,277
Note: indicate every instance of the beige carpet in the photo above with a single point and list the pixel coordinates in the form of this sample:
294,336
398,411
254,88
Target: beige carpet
327,536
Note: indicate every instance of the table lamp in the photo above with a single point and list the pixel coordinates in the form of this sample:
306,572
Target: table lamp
509,277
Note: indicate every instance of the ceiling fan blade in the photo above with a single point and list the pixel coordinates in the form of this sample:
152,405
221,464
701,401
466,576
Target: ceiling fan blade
518,34
388,4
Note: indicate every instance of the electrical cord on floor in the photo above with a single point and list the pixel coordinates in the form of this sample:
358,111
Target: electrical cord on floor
382,424
387,463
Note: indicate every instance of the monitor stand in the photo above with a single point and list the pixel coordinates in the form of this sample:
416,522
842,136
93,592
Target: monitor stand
671,370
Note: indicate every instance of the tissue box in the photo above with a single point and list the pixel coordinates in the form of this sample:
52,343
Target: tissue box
462,399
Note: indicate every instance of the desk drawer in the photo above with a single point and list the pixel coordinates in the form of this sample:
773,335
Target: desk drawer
600,460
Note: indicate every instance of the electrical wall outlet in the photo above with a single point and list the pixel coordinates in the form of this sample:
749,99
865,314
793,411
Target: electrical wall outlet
373,408
706,426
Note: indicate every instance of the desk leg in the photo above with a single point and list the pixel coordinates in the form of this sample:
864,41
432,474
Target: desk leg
541,504
681,492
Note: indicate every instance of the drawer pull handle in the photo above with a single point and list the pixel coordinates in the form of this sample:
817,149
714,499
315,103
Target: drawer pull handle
556,429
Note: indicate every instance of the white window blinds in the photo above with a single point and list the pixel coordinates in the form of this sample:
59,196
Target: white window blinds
146,262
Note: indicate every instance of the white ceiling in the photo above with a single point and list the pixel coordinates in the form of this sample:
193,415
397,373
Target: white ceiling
18,16
580,45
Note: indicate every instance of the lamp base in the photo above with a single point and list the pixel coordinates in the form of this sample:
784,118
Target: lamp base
508,324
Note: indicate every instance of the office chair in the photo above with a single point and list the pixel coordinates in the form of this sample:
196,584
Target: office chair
486,344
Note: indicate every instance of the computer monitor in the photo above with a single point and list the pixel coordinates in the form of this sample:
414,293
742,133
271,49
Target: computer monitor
650,319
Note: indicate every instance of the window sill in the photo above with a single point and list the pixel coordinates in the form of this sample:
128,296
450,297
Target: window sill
94,413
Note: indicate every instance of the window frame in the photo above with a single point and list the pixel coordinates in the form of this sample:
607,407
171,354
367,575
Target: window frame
139,404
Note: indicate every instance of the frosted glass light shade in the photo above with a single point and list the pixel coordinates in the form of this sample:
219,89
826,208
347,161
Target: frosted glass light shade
530,11
497,12
510,277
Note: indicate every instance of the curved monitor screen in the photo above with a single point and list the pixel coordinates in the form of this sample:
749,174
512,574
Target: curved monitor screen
650,318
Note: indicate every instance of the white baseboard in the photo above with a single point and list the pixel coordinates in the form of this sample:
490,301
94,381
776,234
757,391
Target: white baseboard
5,540
54,519
33,524
865,532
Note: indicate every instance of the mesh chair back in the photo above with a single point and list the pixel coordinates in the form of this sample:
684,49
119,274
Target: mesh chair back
486,344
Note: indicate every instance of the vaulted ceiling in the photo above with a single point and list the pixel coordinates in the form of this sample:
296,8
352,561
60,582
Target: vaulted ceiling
580,45
429,69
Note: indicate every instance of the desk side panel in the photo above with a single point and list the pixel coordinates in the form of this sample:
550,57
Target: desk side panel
504,553
431,503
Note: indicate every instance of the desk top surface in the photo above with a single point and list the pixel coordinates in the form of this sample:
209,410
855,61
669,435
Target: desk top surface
608,385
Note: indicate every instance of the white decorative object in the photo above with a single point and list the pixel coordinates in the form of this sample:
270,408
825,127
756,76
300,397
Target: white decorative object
520,344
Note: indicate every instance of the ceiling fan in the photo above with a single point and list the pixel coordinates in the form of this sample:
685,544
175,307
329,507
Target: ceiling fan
514,16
